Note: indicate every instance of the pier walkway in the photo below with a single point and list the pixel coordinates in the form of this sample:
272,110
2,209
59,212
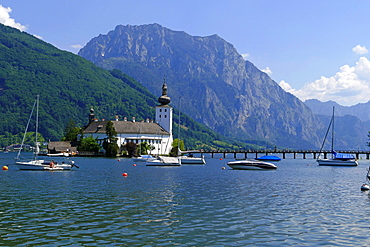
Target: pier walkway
283,153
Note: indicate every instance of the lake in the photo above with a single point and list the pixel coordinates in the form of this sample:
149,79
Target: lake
299,204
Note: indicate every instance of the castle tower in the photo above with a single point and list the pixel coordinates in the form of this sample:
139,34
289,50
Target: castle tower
163,113
91,115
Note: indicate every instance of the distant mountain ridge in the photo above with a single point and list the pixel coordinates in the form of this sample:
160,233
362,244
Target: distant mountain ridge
361,110
217,86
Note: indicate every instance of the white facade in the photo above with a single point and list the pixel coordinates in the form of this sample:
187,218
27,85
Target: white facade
163,117
162,143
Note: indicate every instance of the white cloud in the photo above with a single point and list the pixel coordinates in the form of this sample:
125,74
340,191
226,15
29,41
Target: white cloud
245,55
77,46
349,86
286,86
360,50
267,71
7,21
37,36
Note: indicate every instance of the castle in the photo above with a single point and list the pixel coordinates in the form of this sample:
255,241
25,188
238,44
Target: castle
158,134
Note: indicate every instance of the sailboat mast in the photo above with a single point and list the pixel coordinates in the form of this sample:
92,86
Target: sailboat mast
332,133
178,142
37,125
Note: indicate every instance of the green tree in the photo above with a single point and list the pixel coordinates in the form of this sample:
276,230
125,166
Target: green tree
110,143
175,147
89,144
71,132
131,148
144,147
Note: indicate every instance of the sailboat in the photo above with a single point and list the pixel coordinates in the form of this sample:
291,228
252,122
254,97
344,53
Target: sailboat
187,159
34,163
338,159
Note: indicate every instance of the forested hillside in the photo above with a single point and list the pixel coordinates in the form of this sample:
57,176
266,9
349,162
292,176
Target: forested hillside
68,86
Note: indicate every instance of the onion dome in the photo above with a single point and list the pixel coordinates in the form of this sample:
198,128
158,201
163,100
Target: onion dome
164,99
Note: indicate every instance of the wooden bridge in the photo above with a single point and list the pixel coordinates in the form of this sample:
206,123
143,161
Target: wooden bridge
283,153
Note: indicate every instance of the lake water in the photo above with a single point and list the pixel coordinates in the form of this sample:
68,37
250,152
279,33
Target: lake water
299,204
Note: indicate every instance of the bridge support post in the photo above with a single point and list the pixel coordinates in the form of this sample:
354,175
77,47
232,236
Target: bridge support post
304,155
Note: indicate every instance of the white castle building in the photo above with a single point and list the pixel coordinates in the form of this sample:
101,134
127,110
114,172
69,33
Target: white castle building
158,134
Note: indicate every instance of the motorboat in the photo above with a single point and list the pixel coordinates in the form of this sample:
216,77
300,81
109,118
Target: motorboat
164,161
58,155
251,165
337,159
268,158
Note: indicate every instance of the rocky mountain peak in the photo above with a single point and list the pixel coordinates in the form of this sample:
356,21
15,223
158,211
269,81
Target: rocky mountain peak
217,86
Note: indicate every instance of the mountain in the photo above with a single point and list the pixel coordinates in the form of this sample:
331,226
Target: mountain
217,86
68,86
361,110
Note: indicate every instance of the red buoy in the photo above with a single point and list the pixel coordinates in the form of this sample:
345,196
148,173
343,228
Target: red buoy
124,174
223,168
5,168
134,164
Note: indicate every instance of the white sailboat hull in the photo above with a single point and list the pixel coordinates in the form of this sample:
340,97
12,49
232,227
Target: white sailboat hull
164,161
41,165
335,162
192,160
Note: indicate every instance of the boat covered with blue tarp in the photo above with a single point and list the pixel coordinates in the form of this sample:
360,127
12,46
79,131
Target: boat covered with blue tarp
342,156
269,158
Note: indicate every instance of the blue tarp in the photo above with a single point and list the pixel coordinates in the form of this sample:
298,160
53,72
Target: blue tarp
147,156
269,158
341,156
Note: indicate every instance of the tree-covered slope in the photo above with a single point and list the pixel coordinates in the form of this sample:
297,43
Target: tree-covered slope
68,86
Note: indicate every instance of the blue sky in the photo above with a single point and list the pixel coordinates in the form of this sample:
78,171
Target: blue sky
313,49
